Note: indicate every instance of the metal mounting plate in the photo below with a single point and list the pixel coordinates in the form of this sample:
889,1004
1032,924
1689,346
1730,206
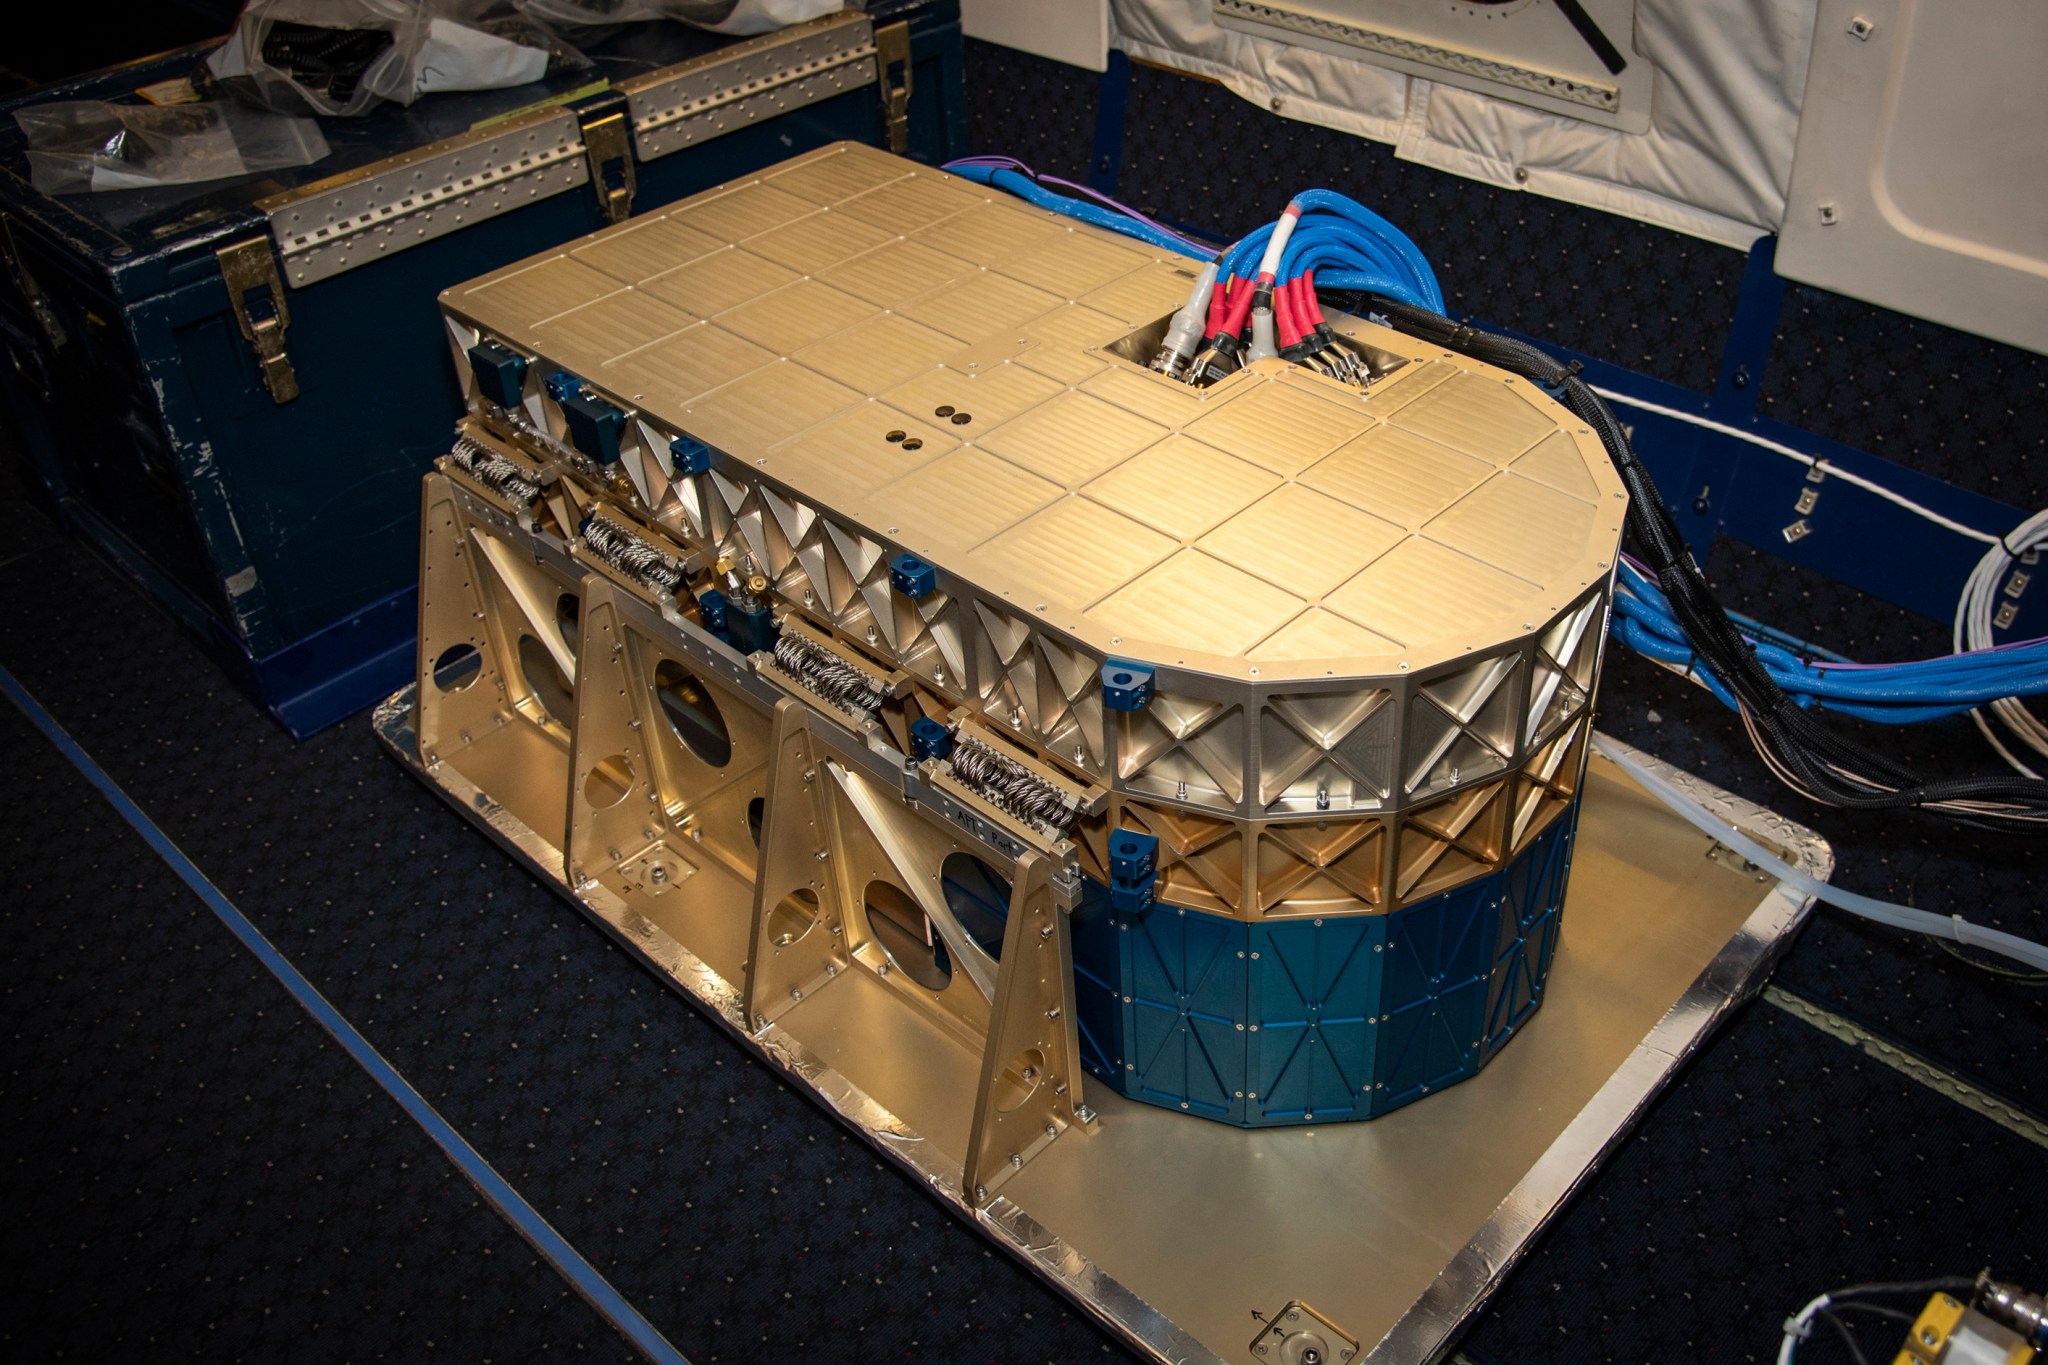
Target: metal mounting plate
1397,1229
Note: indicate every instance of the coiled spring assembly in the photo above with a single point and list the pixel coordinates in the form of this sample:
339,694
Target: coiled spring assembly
826,673
632,556
1010,786
494,471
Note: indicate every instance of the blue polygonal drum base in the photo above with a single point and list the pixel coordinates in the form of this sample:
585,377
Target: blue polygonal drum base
1316,1020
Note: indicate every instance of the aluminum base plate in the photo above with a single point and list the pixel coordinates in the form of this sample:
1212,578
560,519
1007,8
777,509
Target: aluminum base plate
1189,1238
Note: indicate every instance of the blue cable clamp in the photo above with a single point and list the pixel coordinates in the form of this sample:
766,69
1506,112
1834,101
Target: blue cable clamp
1133,857
1133,870
929,739
562,386
692,456
500,372
1126,686
913,577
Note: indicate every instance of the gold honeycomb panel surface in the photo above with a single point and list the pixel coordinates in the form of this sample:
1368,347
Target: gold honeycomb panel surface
1445,510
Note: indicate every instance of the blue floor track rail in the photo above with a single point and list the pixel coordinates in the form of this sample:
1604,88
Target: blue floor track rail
526,1220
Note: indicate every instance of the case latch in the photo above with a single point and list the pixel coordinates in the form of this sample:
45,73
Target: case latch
892,72
607,142
257,296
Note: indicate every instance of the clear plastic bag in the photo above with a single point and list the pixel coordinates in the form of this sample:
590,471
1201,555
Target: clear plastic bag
338,58
719,16
80,145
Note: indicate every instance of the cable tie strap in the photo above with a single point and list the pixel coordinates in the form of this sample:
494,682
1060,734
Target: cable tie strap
2006,544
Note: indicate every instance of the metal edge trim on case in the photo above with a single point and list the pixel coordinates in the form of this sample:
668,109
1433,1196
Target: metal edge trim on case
769,75
435,190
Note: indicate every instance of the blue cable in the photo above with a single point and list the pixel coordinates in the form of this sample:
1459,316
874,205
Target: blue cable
1003,178
1905,693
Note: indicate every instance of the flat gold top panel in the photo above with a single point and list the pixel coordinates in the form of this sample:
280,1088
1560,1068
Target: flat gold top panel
1277,524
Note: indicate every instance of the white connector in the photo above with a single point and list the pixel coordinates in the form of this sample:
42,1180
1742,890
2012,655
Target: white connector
1184,333
1263,343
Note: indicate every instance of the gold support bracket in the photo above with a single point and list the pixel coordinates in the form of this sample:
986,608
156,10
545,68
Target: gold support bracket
607,142
799,934
810,927
647,810
1030,1090
892,73
256,293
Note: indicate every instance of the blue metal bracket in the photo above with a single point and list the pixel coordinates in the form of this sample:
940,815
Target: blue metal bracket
1126,686
913,577
1750,334
929,739
691,456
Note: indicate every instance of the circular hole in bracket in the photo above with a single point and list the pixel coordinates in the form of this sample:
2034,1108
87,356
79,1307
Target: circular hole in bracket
979,897
569,620
553,691
457,667
793,916
1020,1079
907,935
609,782
693,715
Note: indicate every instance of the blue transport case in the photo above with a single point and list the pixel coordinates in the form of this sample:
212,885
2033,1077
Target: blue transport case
232,389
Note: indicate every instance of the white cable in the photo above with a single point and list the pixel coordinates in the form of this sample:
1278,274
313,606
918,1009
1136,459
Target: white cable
1269,263
1811,462
1973,630
1797,1326
1980,591
1952,927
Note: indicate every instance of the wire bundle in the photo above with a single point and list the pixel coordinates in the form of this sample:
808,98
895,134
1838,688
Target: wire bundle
1894,694
1976,616
1263,300
1008,173
1829,1307
1258,297
1800,749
